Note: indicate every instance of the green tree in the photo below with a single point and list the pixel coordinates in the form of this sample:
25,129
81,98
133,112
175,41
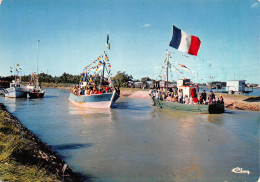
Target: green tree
144,79
121,79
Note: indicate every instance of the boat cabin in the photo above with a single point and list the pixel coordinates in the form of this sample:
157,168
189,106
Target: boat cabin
15,84
185,86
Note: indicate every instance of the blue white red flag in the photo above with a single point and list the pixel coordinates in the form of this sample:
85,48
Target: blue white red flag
185,42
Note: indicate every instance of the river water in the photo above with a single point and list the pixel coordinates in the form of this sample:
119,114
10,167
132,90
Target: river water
137,142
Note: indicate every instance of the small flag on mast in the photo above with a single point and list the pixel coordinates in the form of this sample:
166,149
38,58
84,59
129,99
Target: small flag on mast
108,42
184,41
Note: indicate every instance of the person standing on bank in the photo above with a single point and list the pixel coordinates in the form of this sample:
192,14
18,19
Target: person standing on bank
204,96
211,97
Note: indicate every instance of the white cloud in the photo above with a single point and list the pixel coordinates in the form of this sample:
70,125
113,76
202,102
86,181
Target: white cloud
255,4
146,25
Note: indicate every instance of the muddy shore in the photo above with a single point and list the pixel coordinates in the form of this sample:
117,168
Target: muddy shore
37,153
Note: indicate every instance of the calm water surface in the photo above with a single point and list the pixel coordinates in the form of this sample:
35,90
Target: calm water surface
137,142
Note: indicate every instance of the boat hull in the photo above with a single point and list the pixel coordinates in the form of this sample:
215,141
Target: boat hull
197,108
15,92
105,100
34,95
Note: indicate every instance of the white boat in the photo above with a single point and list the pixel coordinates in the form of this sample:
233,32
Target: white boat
16,90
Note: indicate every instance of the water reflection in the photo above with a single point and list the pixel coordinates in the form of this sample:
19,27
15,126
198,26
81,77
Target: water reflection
71,146
87,112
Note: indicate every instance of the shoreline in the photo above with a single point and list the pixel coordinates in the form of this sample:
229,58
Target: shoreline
33,153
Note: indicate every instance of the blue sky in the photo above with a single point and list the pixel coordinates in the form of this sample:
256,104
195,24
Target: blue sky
72,34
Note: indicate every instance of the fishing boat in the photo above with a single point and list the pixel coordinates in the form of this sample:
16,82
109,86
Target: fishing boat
104,100
198,108
36,93
16,89
85,94
34,89
181,41
189,91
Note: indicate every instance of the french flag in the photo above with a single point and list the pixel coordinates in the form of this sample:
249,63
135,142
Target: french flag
185,42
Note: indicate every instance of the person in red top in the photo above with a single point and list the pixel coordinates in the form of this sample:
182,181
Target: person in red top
99,92
106,89
95,90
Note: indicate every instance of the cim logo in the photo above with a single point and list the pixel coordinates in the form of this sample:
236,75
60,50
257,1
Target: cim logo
239,170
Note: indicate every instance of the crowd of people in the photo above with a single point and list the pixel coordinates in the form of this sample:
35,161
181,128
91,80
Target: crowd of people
174,95
79,90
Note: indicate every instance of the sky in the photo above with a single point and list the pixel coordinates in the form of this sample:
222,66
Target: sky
73,34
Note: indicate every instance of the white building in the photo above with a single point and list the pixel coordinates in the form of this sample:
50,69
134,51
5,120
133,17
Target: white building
236,85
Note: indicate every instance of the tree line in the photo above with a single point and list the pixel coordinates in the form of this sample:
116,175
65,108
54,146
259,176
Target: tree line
120,79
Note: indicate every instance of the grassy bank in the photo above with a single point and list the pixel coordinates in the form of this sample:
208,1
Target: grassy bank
23,157
57,85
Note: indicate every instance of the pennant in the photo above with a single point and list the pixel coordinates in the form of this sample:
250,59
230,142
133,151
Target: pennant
185,42
108,42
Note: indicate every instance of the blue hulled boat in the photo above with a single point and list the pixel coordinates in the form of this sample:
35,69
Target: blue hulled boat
104,100
86,94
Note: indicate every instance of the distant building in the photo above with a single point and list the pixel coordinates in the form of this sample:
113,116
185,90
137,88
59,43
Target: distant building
138,84
131,84
163,84
236,85
150,84
218,84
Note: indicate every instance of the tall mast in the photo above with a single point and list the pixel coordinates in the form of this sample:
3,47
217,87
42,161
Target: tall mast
37,55
167,65
103,71
37,81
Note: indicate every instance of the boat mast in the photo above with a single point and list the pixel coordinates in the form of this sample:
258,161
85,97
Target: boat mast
37,83
103,71
37,55
167,65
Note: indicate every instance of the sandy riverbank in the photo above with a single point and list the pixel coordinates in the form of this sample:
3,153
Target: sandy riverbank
242,102
24,157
